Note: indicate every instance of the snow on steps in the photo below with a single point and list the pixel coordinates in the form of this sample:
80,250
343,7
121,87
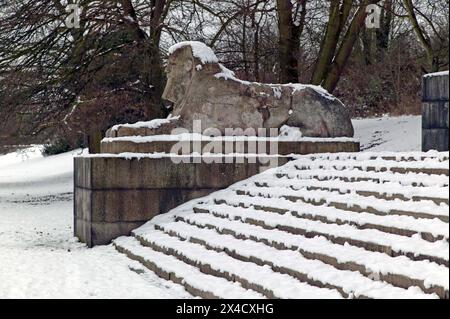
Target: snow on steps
387,190
400,271
429,229
315,272
431,156
430,167
251,276
369,225
394,245
352,202
170,268
411,179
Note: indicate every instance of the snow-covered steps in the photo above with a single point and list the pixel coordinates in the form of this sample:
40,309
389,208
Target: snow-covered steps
353,202
314,272
170,268
429,229
333,231
403,167
400,271
394,245
248,274
387,190
387,156
411,179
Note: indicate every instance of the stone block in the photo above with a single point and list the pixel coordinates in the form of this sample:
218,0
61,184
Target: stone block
435,139
435,88
103,233
114,195
281,147
435,115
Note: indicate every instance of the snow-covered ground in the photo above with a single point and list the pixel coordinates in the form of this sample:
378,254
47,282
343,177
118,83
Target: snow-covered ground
394,134
40,258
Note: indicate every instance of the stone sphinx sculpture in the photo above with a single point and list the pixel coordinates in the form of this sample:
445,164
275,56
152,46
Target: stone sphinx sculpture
200,88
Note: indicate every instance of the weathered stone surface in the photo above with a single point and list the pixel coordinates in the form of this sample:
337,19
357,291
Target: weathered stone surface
102,233
114,195
435,88
435,112
131,205
208,92
155,173
435,139
435,115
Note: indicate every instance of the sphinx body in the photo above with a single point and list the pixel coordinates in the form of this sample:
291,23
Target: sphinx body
203,90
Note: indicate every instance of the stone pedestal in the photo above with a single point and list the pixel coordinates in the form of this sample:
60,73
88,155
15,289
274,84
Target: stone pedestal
435,113
114,195
118,192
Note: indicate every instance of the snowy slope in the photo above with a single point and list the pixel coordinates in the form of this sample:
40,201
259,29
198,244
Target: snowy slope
40,258
34,151
395,134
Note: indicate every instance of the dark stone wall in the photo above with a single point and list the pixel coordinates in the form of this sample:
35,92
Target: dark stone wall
435,115
115,195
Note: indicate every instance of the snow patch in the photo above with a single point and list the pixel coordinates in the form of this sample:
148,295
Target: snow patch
153,124
229,75
290,133
200,51
430,75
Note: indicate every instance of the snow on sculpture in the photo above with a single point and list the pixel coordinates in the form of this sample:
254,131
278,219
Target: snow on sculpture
200,88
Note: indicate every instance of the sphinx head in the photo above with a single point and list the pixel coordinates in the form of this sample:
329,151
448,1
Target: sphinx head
185,60
180,69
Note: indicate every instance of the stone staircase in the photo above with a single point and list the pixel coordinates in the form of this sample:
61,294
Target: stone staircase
323,226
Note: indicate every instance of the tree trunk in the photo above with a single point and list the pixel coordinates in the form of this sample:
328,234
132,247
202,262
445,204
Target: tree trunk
335,71
289,42
255,26
149,46
367,39
337,18
383,33
424,39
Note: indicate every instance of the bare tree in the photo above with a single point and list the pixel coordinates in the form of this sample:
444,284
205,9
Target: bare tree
291,21
432,36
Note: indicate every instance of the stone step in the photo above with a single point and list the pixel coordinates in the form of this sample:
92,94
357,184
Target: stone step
351,176
353,202
399,271
170,268
386,156
313,272
322,232
428,229
179,144
386,191
370,239
432,168
250,275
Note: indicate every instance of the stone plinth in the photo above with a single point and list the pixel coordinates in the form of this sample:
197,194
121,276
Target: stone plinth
114,195
137,178
435,113
155,145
